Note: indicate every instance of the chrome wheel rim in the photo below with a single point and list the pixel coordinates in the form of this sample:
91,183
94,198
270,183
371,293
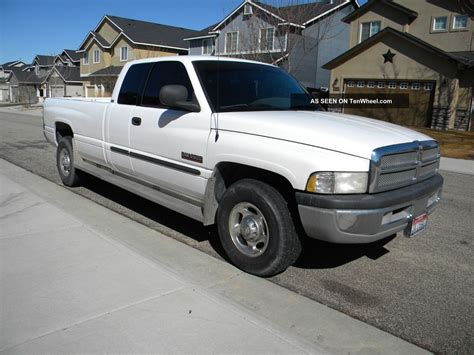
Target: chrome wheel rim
65,162
248,229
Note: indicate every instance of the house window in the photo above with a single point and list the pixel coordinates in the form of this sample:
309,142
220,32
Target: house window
360,84
368,29
96,56
380,84
85,58
392,85
231,42
123,54
37,70
428,86
440,23
350,84
248,10
371,84
460,22
207,47
404,86
415,86
267,36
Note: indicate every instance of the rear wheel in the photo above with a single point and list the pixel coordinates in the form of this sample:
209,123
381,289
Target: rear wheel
69,175
256,228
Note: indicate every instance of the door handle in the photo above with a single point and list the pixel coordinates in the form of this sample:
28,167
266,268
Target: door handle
136,121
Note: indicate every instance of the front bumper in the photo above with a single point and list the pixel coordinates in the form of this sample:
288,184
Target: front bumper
365,218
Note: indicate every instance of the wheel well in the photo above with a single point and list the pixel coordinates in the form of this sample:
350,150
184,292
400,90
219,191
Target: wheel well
63,130
229,173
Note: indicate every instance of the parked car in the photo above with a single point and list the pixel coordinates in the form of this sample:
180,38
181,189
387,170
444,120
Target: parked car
237,143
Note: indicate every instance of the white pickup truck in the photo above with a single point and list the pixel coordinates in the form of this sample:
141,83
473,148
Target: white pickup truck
225,141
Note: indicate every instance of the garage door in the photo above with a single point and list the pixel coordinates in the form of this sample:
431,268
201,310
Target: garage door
57,91
421,96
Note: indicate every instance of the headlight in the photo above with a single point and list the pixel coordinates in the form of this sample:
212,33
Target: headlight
329,182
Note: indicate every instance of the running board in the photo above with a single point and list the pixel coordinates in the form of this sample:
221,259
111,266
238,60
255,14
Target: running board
185,206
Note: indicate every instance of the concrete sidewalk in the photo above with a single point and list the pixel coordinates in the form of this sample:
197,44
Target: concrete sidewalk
76,277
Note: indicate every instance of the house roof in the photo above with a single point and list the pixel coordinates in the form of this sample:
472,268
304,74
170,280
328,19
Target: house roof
26,77
304,13
142,32
69,74
369,4
44,60
204,33
73,55
299,15
467,58
461,59
103,42
8,65
108,71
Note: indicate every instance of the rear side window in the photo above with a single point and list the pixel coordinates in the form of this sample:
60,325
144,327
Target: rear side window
165,73
132,85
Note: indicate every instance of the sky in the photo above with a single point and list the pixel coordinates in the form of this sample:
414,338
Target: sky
31,27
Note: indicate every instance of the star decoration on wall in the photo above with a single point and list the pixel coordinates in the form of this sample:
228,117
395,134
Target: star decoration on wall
388,57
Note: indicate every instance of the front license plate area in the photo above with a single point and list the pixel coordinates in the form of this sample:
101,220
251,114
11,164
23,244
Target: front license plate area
418,225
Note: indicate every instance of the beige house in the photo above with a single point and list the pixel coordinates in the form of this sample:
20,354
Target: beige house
117,40
420,48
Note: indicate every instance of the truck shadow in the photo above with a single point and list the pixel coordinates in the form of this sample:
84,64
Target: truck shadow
316,254
322,255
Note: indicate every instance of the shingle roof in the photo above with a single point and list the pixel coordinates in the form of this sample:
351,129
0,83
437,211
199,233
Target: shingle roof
153,33
101,39
9,64
466,58
366,7
69,74
26,77
202,33
302,13
73,55
108,71
461,58
45,60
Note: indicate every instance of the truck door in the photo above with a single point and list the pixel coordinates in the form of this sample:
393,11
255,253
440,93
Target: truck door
119,115
167,146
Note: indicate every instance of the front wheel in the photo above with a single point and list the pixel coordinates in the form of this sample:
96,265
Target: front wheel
65,163
256,228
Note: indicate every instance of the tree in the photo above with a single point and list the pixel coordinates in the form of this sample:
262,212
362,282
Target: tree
289,41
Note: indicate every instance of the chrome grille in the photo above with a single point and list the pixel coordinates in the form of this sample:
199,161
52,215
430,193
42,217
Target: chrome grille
403,164
390,179
429,169
397,160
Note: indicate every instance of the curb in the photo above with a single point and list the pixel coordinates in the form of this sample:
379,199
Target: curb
462,166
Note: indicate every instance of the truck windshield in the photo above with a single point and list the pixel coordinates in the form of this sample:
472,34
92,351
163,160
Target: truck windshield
240,86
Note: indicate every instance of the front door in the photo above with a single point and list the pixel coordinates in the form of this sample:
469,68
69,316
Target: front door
168,147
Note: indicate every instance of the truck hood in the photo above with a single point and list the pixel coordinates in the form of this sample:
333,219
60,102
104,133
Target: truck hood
348,134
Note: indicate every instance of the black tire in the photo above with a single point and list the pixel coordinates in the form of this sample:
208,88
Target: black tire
282,247
71,176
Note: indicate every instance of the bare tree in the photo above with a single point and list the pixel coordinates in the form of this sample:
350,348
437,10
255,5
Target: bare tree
287,35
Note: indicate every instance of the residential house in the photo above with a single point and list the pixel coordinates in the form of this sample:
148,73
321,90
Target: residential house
421,48
116,40
299,37
35,77
5,73
65,81
26,86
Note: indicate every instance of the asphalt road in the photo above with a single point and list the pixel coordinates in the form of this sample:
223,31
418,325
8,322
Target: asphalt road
420,289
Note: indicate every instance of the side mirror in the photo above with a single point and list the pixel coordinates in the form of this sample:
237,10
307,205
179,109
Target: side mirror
175,96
